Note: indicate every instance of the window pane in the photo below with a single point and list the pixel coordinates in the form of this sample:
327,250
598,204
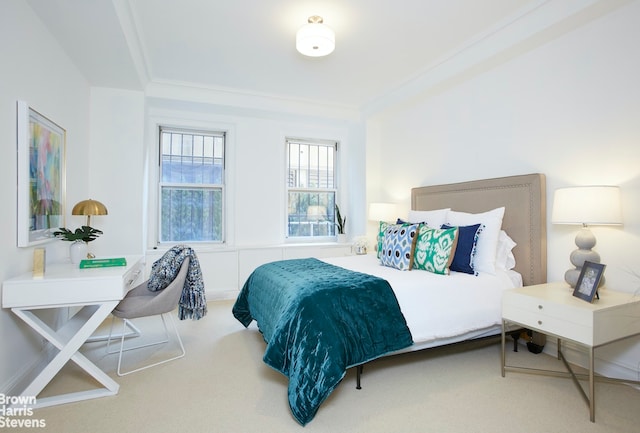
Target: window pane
311,214
192,158
191,186
311,188
190,214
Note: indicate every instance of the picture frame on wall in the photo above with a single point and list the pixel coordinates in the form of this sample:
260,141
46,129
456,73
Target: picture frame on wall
41,176
588,281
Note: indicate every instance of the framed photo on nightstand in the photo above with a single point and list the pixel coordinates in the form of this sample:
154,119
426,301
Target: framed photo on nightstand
588,281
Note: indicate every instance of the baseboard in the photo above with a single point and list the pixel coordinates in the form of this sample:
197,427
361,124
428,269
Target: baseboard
222,295
23,377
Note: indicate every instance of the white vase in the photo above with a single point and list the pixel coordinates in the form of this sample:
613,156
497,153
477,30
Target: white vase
342,238
77,251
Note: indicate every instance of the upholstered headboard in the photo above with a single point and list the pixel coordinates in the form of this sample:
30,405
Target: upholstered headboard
524,199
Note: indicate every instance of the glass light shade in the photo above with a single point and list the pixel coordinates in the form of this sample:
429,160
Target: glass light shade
315,39
382,212
587,205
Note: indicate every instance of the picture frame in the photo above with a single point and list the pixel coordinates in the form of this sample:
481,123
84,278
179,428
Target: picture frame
41,191
588,281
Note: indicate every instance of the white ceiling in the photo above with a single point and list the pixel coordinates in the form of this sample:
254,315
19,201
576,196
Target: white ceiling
248,46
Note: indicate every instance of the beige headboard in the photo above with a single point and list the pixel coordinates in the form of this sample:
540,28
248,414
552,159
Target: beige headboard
524,199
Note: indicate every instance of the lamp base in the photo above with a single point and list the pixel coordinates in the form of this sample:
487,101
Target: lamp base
572,275
585,240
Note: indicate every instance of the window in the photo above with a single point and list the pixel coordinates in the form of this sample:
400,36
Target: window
191,185
311,188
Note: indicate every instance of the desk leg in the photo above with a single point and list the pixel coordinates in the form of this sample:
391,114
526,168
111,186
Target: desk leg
93,316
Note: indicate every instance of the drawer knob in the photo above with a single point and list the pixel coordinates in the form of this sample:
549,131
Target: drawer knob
539,307
539,322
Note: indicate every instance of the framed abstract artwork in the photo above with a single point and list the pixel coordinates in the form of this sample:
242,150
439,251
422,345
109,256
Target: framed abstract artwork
41,176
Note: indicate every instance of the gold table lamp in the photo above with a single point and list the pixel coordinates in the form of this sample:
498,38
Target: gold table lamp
88,208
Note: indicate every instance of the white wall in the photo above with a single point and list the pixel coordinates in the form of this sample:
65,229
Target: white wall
34,69
255,182
568,108
117,161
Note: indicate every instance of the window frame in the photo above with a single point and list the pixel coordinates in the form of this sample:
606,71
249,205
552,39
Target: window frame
335,189
193,186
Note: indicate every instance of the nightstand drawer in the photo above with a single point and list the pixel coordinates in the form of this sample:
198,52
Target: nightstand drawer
548,324
548,308
614,316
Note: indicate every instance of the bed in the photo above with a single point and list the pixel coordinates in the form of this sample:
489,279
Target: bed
321,317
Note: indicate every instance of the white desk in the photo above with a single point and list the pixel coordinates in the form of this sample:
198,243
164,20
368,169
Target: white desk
96,291
553,310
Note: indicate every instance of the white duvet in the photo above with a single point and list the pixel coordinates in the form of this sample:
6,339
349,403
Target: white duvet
440,308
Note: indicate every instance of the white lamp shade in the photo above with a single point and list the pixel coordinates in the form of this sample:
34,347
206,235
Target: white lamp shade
382,212
587,205
315,40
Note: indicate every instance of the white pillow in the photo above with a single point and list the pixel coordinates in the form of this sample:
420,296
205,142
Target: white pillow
432,218
485,258
505,259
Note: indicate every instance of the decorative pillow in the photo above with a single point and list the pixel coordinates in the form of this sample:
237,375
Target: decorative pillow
485,258
432,218
466,248
435,249
505,259
397,246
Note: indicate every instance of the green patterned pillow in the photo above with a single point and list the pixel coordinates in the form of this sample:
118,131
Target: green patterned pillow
381,228
435,249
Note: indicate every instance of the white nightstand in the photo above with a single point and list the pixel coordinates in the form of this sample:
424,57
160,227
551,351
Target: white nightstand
553,310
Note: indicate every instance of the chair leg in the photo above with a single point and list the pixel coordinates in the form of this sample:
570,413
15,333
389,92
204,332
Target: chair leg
165,340
121,336
133,332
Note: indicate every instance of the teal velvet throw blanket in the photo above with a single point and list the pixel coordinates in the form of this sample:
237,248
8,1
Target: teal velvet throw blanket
318,320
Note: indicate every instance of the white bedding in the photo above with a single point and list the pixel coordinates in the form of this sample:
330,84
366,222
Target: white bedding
440,308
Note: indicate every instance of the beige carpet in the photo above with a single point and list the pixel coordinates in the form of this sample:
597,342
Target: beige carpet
222,385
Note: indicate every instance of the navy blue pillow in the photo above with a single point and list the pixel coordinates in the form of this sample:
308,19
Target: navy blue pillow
466,249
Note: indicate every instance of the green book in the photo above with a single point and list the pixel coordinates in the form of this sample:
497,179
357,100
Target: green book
102,263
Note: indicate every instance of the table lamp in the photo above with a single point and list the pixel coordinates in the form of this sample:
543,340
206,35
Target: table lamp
586,206
382,212
88,208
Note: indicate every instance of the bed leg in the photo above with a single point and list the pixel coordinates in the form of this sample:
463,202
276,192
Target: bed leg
359,369
515,335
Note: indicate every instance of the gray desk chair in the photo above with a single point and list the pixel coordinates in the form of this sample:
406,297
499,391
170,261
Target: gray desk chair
141,302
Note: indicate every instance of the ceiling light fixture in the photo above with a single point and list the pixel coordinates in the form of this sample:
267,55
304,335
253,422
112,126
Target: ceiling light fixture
315,39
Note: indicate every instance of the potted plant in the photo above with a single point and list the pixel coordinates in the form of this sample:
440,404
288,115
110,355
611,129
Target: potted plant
340,224
79,240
